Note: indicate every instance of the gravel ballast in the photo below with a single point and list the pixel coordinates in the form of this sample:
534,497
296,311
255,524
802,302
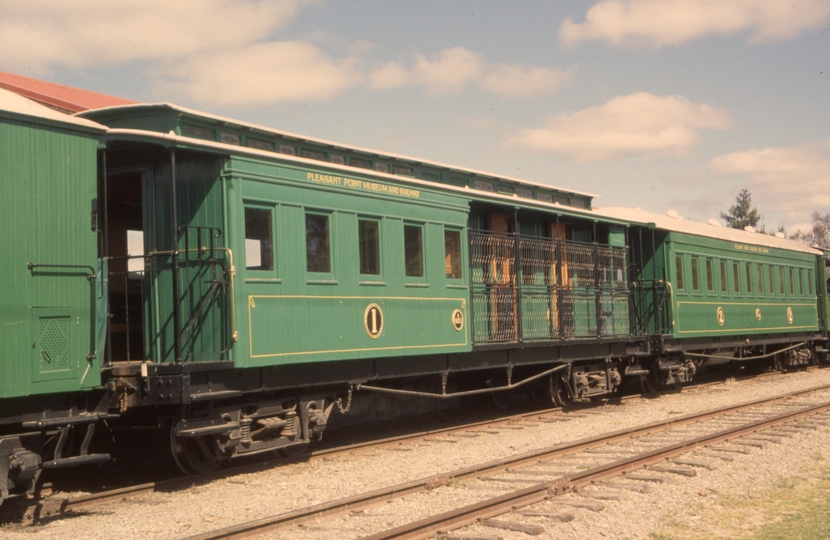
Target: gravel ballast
240,498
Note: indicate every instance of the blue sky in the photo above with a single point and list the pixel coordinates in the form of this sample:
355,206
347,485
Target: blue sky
658,104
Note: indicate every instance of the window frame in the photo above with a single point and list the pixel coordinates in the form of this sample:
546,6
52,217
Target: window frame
378,276
316,274
801,282
695,267
458,231
736,275
680,281
792,282
273,216
710,276
724,276
781,281
760,274
423,250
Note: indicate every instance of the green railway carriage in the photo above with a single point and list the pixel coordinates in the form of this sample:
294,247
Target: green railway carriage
703,287
305,269
50,361
229,285
48,166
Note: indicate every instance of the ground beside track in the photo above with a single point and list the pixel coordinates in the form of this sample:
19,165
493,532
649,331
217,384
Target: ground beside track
230,500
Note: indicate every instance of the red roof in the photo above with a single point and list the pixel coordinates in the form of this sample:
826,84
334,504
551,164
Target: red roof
66,99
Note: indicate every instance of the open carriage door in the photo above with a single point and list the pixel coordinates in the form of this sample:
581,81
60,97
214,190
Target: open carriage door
123,190
168,263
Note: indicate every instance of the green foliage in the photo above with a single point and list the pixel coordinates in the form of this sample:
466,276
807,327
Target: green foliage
742,214
820,233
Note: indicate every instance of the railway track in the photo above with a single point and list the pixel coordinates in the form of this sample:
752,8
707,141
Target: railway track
605,455
49,507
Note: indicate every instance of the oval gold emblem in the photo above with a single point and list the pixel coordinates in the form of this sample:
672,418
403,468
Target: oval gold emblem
790,315
457,320
373,320
721,316
758,313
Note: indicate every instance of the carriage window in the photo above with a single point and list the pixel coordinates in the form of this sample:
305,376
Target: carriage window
259,250
781,278
413,250
810,281
318,250
679,264
369,246
801,282
771,281
723,282
695,276
736,273
710,276
792,283
760,279
452,254
748,278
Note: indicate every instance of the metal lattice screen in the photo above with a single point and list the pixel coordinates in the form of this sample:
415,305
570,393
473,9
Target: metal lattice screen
534,289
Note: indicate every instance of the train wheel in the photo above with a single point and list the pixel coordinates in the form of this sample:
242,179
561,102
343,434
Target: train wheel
538,396
500,399
559,391
195,455
650,382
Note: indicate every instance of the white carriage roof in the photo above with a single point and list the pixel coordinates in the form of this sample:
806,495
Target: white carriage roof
231,122
19,105
678,224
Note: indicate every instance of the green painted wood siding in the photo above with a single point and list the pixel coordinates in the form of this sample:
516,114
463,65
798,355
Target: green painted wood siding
288,315
48,178
751,306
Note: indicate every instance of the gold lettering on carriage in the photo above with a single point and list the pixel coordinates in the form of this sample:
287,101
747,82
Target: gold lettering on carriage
754,249
362,185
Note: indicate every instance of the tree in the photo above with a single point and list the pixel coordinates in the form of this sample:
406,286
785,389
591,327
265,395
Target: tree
740,215
820,233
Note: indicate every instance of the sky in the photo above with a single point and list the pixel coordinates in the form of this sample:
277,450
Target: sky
657,104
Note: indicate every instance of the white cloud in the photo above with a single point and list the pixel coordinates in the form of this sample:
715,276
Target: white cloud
450,71
389,76
453,70
636,124
261,73
788,183
227,52
659,22
39,35
211,52
525,81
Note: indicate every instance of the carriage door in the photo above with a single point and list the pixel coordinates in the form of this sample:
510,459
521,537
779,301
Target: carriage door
126,265
503,277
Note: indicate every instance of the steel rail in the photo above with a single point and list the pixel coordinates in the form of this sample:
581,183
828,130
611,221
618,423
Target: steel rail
374,498
496,506
40,509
